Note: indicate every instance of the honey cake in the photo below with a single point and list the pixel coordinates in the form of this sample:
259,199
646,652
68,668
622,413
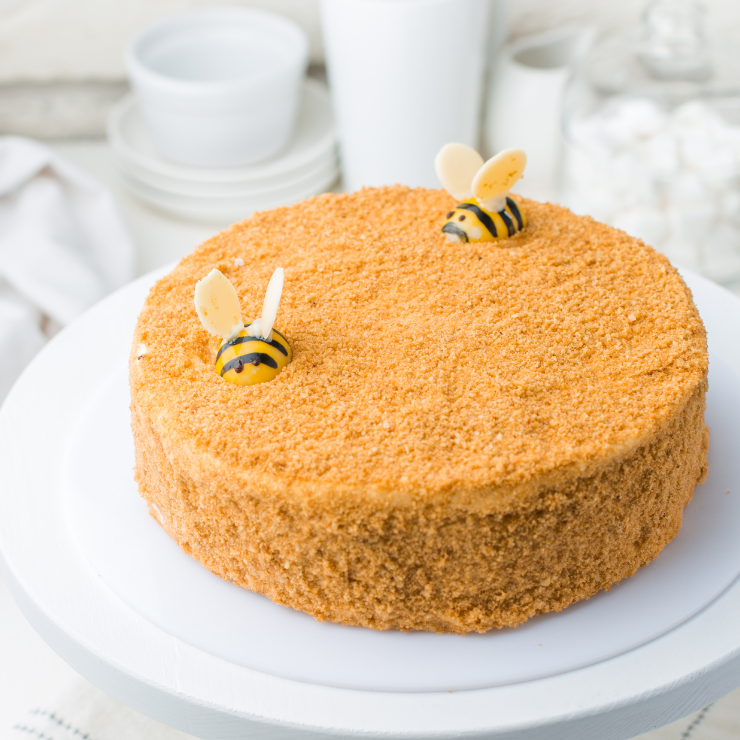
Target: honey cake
468,434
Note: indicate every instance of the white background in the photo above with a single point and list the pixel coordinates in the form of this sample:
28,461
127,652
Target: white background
48,40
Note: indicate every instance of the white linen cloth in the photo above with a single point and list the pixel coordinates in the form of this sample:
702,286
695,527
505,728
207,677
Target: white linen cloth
80,711
63,246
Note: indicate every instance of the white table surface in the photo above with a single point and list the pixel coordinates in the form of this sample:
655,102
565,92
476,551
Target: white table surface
28,668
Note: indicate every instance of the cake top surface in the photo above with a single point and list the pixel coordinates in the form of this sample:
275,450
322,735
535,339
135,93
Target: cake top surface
423,366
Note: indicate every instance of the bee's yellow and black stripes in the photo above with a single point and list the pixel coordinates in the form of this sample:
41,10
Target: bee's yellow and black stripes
250,360
468,222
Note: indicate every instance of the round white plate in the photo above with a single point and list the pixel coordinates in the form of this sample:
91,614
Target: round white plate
236,208
137,560
305,182
313,140
50,489
214,191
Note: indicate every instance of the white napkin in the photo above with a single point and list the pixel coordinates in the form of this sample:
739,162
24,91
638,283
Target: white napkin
79,711
63,247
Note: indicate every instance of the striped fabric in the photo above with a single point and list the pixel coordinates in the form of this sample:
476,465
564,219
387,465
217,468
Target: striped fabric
718,721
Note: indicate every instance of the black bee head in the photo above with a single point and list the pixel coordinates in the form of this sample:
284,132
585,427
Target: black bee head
454,232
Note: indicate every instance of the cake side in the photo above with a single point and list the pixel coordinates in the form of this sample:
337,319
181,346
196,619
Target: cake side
431,565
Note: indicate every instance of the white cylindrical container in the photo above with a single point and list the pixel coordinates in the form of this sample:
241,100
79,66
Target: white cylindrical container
219,87
406,77
525,103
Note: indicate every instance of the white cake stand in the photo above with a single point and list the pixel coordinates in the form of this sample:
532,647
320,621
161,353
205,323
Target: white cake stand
81,592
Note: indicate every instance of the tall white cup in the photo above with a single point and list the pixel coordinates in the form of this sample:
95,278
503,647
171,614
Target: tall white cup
406,77
525,103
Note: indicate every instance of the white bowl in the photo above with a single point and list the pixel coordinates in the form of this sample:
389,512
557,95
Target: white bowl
219,87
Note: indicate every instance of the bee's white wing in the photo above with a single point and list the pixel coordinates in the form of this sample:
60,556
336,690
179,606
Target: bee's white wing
497,176
217,305
272,301
456,165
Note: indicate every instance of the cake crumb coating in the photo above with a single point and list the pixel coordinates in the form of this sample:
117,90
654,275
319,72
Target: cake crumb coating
458,424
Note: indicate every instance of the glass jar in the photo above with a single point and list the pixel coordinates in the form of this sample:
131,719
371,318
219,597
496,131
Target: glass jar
652,138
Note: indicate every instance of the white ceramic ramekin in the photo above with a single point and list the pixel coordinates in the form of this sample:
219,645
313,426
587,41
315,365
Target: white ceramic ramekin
221,86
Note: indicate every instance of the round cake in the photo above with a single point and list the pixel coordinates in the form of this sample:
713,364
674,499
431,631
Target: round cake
469,434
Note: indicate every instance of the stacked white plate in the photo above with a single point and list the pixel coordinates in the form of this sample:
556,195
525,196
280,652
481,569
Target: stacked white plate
308,166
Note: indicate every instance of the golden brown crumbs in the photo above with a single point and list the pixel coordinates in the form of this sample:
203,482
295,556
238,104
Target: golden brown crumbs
423,366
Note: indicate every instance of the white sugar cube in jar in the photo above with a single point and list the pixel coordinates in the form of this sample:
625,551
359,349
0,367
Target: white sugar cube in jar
652,139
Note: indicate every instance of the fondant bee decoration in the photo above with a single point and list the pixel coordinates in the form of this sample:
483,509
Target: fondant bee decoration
250,353
486,212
